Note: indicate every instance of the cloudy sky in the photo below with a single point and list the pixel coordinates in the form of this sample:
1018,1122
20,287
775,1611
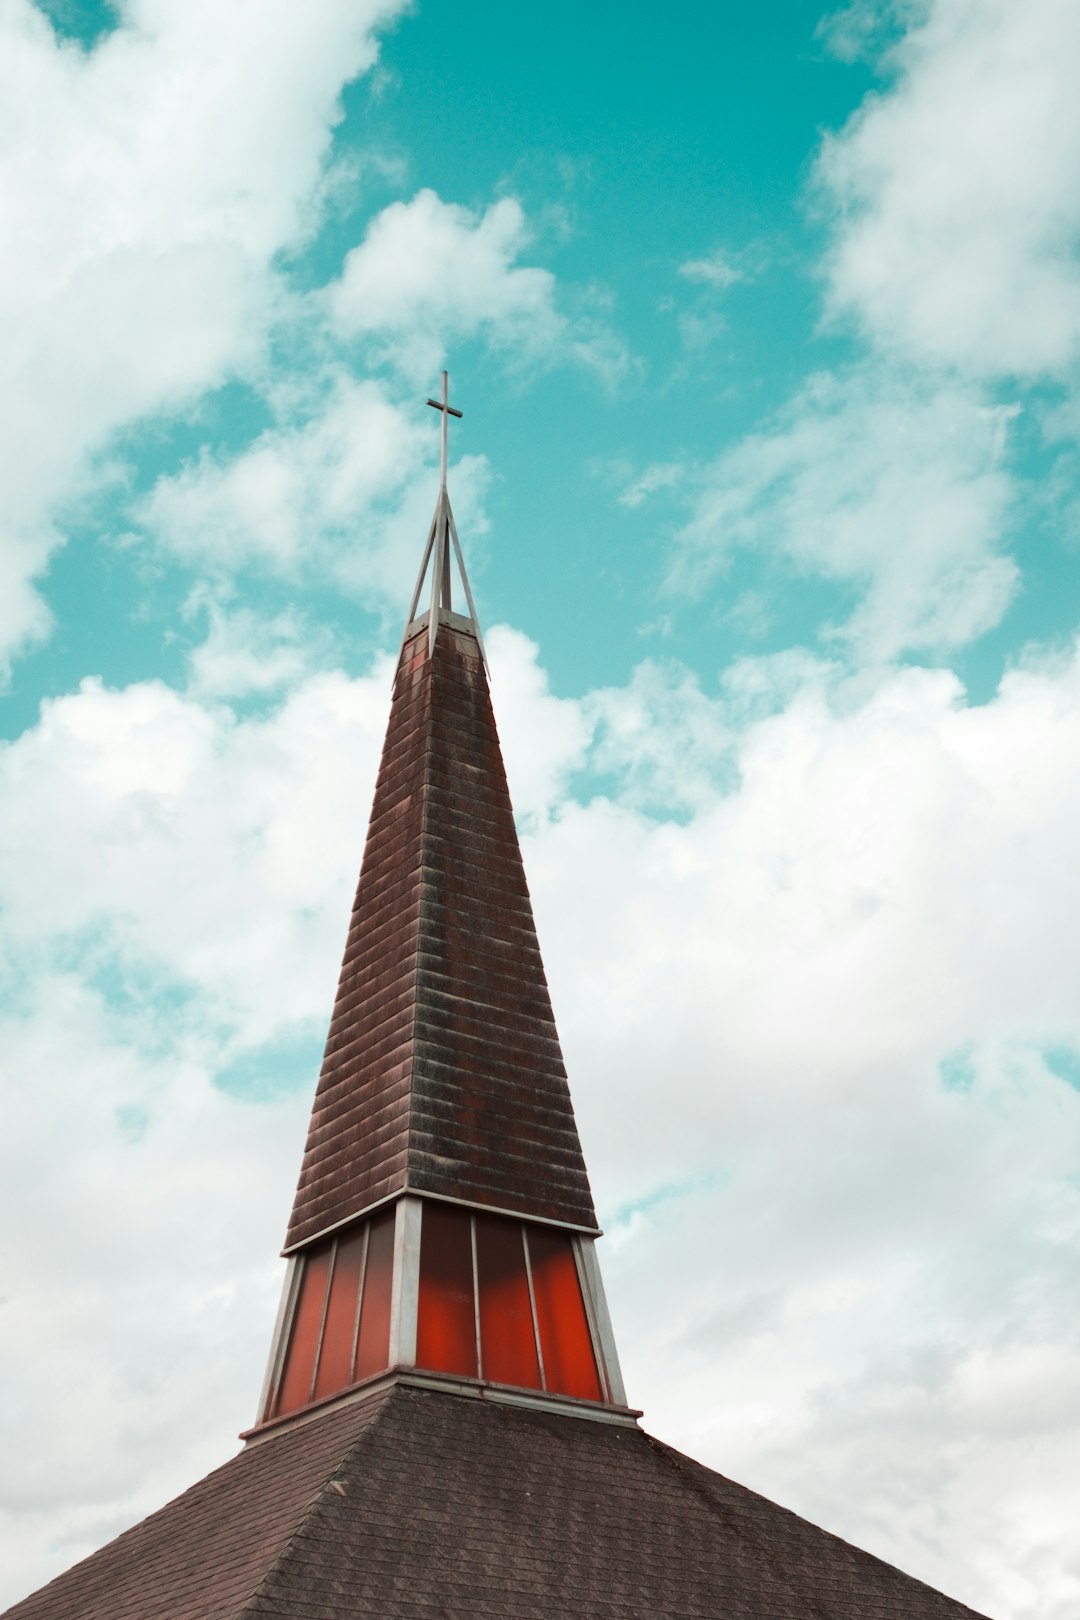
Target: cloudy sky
766,326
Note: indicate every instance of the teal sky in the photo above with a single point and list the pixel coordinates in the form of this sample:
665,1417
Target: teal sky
634,152
765,323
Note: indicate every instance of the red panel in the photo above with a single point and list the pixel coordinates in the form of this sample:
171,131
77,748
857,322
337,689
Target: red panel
446,1323
304,1338
336,1356
373,1345
507,1336
569,1362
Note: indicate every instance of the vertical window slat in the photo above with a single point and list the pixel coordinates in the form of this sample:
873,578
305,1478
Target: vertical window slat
359,1302
299,1370
532,1307
335,1366
373,1339
446,1315
507,1327
565,1337
322,1322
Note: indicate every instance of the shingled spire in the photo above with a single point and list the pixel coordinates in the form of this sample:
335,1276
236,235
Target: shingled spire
443,1218
443,1072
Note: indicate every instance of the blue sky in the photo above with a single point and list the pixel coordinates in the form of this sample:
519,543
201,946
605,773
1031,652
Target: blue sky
766,327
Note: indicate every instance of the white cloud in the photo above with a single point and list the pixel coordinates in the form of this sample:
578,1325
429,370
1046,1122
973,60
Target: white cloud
894,488
841,1271
438,265
543,755
662,739
661,475
858,30
243,654
841,1274
429,273
24,616
146,187
952,201
319,494
133,1284
958,190
717,270
175,819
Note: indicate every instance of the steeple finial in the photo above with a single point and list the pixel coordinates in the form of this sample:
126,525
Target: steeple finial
447,411
441,535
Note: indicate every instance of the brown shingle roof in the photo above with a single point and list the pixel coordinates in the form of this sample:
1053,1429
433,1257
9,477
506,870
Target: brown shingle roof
420,1505
443,1072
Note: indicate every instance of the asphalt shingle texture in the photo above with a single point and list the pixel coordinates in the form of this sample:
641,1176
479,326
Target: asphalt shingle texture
442,1072
420,1505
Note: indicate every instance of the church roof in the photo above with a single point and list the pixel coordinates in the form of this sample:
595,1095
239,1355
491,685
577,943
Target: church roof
414,1504
443,1072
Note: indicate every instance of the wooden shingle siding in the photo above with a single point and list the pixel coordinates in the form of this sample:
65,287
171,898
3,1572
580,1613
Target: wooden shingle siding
443,1071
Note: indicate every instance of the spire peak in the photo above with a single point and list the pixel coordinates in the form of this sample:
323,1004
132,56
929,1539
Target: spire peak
441,535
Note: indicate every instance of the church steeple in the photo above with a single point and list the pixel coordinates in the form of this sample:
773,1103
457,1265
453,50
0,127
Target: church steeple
443,1222
441,1246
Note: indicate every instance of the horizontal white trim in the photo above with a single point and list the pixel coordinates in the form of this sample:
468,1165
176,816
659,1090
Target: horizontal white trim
442,1198
471,1388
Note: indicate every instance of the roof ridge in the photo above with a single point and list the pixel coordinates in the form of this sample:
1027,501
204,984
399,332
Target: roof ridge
381,1402
677,1461
701,1479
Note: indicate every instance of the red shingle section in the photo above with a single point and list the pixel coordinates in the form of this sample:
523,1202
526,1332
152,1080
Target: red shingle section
428,1506
443,1072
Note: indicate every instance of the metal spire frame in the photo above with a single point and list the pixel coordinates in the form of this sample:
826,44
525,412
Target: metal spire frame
441,535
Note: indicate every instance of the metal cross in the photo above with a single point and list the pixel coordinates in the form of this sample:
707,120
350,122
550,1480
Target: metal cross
447,411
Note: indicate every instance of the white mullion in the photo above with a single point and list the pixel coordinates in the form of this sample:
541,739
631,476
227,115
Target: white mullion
290,1290
596,1310
322,1319
406,1284
359,1302
476,1298
532,1306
